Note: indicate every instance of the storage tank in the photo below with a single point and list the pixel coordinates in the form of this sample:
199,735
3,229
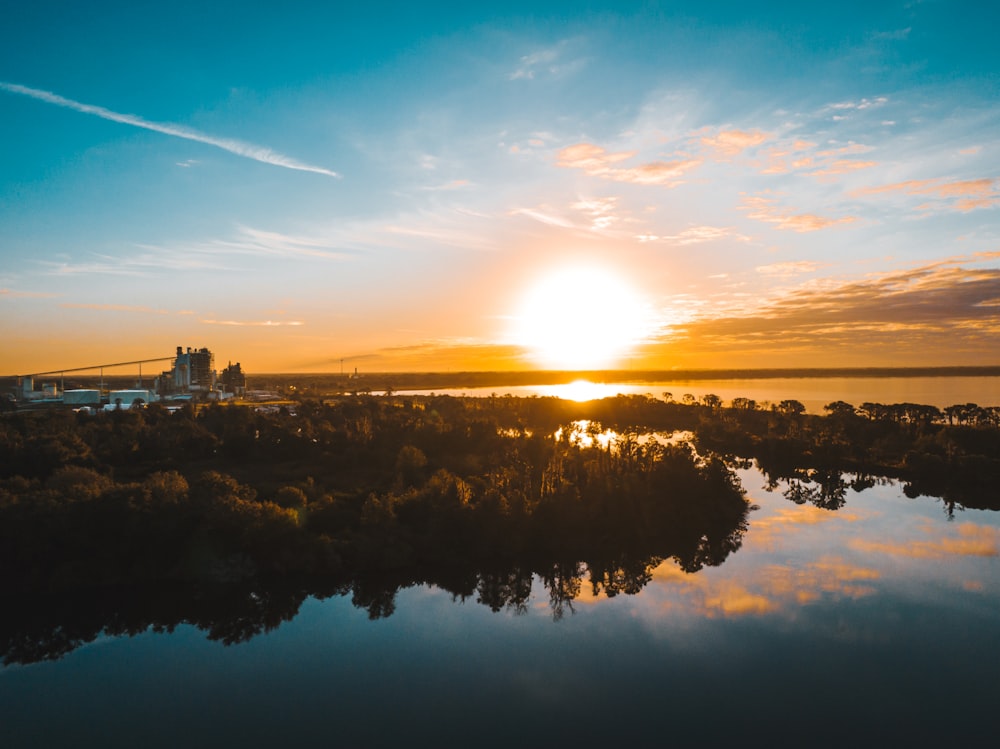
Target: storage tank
128,397
82,397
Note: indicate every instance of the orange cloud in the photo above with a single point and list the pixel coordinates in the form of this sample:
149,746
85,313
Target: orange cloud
773,588
962,195
829,575
696,235
891,318
597,162
592,159
734,142
765,209
826,163
843,166
730,599
768,532
850,148
653,173
972,541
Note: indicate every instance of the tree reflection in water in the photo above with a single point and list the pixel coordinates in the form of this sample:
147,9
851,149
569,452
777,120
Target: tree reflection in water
47,627
370,496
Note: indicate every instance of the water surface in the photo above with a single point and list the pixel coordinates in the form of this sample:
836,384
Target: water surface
813,392
877,622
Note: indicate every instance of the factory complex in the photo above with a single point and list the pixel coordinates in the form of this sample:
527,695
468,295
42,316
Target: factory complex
191,377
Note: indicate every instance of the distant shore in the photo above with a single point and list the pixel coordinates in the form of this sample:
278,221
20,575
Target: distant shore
405,381
430,380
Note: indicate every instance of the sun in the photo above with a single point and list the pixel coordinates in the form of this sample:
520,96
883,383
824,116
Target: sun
580,318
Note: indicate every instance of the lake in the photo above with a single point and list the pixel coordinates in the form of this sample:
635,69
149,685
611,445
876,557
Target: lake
812,392
876,623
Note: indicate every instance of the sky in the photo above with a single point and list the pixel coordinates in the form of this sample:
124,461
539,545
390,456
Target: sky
448,187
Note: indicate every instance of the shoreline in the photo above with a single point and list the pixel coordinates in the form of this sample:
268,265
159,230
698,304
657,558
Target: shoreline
424,380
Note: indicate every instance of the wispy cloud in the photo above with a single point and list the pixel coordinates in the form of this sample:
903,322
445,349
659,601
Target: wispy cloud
203,255
842,166
601,211
859,105
765,209
276,243
549,60
597,162
544,214
961,195
144,264
801,155
971,540
696,235
530,64
774,531
774,588
734,142
894,36
255,323
12,294
455,184
101,266
240,148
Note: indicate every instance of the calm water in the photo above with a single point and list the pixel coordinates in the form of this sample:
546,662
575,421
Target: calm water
813,392
879,622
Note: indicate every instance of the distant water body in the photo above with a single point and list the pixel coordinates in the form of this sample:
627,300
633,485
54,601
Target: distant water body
812,392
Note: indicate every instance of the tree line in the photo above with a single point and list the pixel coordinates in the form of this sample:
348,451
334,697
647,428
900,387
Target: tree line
364,495
361,485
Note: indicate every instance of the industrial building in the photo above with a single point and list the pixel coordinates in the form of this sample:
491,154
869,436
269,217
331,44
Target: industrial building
193,372
192,376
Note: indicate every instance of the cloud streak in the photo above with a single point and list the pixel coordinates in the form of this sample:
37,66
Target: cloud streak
972,540
733,142
597,162
255,323
240,148
963,195
696,235
12,294
764,209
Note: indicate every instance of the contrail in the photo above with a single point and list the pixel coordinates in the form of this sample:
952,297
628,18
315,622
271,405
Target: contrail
247,150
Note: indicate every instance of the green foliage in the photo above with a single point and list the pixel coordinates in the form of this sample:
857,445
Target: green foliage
362,485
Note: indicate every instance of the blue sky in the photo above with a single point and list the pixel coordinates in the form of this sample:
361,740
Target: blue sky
776,184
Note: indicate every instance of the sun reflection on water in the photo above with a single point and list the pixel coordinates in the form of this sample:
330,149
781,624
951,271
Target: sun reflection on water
581,391
588,433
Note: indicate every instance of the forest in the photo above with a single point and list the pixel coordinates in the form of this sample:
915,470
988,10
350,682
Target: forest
228,516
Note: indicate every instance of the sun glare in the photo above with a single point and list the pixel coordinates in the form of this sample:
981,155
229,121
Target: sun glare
581,391
580,318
